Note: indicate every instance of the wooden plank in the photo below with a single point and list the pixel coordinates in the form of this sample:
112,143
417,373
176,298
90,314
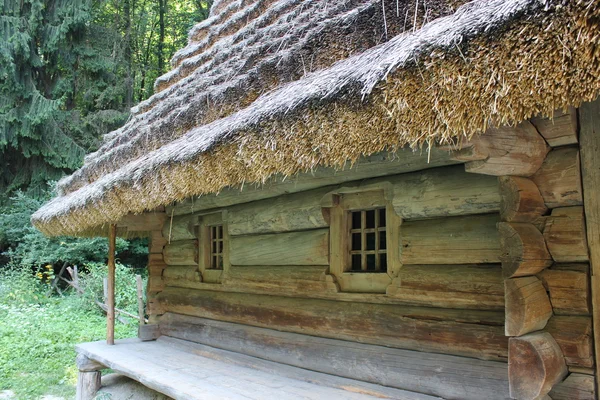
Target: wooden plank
471,333
182,252
110,295
528,308
382,164
559,178
560,129
516,151
294,279
589,120
452,286
521,200
565,235
574,336
535,365
456,240
294,248
575,387
569,290
436,374
185,371
523,249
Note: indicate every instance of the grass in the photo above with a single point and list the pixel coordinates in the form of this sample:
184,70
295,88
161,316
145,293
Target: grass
38,335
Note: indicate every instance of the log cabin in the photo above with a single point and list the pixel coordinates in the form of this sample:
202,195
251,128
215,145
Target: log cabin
358,200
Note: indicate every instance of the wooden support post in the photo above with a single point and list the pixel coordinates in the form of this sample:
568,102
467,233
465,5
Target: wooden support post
88,379
140,298
589,136
110,312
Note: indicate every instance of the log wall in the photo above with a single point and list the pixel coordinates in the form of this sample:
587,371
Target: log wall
486,258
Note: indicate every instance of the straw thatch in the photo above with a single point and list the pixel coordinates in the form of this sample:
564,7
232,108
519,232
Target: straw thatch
446,77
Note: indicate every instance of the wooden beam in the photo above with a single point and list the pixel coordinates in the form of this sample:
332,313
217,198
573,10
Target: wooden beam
574,336
589,120
565,235
181,252
110,312
575,387
151,221
518,151
560,129
535,365
569,288
523,249
528,308
559,178
520,200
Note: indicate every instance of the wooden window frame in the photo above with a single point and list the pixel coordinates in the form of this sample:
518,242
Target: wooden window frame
339,207
203,233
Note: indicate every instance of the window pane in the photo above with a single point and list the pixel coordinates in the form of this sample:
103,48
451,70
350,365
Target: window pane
371,241
356,262
214,246
382,240
220,227
383,262
356,220
382,217
370,262
370,219
213,263
356,245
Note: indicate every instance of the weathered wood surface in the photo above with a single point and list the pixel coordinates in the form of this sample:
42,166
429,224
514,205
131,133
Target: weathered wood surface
296,279
181,252
148,332
84,364
528,308
381,164
449,376
187,371
180,228
589,120
560,129
295,248
88,384
471,333
559,178
150,221
566,236
523,249
156,242
535,365
569,289
574,336
176,272
456,240
520,200
575,387
110,292
452,286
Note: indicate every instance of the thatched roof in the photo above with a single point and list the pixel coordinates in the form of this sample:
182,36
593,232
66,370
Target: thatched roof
269,87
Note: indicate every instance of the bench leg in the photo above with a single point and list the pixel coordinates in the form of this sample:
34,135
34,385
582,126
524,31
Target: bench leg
88,380
88,384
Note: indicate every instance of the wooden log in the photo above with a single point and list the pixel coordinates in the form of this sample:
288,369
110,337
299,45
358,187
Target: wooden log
381,164
110,295
456,240
452,286
517,151
566,236
85,364
179,228
437,374
528,308
180,272
574,336
303,280
471,333
559,178
156,242
523,249
535,365
152,221
88,384
294,248
589,118
560,129
520,200
575,387
569,290
182,252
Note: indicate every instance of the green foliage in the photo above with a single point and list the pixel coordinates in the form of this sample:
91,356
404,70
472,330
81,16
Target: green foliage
38,334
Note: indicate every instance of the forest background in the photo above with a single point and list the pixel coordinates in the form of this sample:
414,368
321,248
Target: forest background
70,70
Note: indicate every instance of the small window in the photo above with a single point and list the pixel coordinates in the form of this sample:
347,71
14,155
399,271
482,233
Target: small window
216,252
368,250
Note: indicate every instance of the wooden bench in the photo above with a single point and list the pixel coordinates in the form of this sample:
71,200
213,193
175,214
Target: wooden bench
196,358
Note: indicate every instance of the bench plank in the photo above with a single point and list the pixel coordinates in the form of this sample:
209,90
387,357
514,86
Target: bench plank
451,377
188,371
